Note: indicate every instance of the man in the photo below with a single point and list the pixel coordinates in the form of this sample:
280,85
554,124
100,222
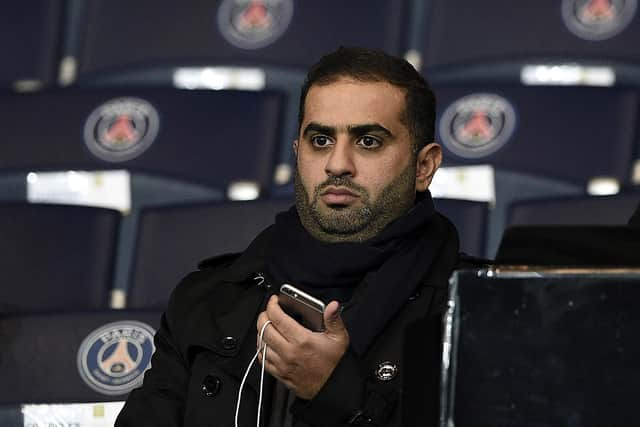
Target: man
363,237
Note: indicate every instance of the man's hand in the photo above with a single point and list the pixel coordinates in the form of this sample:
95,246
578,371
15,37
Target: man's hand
299,358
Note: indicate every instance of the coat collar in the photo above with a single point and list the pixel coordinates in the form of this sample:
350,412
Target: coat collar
240,267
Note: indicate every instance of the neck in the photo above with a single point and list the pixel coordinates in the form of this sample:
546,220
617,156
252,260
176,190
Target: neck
318,233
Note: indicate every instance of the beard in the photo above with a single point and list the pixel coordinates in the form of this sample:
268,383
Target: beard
360,221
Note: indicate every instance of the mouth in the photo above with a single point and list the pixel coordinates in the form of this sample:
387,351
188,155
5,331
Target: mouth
338,196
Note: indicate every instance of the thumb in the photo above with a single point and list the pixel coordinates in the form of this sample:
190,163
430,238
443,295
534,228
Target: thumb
332,320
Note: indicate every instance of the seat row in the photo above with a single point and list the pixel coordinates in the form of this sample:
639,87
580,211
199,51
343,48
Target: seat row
62,258
184,145
214,138
74,39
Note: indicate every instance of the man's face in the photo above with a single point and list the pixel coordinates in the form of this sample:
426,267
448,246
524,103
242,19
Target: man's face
356,165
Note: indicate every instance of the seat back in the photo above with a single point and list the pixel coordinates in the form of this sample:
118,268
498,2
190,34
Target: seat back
171,240
211,138
572,134
279,33
74,357
586,210
29,41
470,219
56,257
461,33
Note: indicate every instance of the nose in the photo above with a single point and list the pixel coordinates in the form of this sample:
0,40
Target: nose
340,160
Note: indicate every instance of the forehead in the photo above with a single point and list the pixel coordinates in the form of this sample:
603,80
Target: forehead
347,101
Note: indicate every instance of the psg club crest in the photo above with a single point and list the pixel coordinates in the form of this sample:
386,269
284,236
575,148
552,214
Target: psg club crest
477,125
121,129
598,19
112,359
254,24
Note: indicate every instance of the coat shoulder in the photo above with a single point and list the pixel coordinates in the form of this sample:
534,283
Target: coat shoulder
218,261
204,286
199,282
210,304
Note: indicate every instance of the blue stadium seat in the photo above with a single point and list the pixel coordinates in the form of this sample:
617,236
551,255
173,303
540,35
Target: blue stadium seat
470,218
211,138
171,240
585,210
460,34
564,133
180,145
74,357
116,35
542,141
30,35
56,257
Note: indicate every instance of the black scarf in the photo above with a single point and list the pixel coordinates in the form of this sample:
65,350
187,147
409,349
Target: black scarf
373,278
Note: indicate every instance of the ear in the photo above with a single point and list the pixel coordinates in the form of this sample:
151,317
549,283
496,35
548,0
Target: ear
295,148
427,163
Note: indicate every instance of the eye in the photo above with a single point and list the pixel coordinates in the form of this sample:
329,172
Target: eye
320,141
369,142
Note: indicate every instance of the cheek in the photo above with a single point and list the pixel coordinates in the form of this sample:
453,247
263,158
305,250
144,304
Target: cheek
309,176
376,176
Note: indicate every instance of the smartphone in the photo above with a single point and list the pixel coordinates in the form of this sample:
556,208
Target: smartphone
307,310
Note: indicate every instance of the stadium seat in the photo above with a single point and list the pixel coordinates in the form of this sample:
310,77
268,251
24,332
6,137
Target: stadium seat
29,42
74,357
116,35
171,240
541,141
470,218
586,210
179,145
210,138
461,36
56,257
570,134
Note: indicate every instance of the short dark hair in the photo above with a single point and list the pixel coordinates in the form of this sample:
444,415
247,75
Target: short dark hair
370,65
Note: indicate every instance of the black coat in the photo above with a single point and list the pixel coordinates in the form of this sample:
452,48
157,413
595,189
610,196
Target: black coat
208,336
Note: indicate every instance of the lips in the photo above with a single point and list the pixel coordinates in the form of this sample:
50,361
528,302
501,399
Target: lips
338,196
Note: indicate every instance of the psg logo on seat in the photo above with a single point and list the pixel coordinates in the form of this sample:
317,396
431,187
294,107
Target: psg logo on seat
112,359
254,24
598,19
477,125
121,129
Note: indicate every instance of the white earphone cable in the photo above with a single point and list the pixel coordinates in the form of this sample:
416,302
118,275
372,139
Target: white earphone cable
262,346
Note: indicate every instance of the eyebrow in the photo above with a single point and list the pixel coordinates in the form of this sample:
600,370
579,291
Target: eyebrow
354,130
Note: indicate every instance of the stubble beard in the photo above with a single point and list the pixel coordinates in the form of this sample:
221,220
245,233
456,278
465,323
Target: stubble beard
363,220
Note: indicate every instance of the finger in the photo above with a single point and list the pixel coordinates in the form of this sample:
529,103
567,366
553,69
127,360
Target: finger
274,372
273,358
333,320
262,319
273,363
288,327
275,340
269,366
